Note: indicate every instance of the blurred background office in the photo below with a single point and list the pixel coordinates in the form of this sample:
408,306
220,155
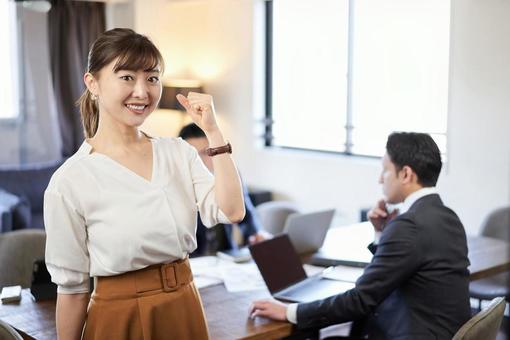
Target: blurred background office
437,66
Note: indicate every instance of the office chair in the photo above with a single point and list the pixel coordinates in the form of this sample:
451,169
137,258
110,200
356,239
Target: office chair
485,324
18,251
8,333
273,215
496,225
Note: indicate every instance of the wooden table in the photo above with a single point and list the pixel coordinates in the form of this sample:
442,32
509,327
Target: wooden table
34,320
488,256
227,316
227,313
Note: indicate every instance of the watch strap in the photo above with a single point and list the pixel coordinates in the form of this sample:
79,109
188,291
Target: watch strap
227,148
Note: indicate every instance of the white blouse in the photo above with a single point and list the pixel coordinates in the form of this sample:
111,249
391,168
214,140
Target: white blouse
102,219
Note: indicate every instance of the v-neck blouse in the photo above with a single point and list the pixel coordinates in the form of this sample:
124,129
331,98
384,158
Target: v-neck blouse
103,219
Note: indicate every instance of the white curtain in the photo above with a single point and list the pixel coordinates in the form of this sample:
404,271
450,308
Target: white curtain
34,138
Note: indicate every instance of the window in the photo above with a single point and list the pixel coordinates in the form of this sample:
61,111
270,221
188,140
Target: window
344,74
8,60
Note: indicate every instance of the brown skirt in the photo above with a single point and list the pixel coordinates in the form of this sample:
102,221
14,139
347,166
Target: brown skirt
157,302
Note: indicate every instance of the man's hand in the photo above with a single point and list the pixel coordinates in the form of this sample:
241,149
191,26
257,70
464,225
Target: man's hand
271,309
259,237
379,215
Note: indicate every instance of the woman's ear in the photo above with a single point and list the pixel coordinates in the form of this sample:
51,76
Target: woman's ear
90,82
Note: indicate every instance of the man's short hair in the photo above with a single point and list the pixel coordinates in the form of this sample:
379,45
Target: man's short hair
419,152
191,131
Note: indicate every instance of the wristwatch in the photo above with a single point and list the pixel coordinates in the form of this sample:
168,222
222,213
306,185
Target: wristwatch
219,150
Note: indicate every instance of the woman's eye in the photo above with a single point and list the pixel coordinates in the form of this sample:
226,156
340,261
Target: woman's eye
154,79
126,78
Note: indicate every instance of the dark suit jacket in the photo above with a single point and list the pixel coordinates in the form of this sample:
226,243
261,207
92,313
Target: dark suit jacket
220,237
416,286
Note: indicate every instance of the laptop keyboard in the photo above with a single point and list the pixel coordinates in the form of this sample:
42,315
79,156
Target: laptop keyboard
307,289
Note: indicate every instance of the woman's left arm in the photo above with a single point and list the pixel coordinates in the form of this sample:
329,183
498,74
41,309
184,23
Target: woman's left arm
227,184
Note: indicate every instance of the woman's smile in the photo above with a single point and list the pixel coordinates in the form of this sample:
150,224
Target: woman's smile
137,108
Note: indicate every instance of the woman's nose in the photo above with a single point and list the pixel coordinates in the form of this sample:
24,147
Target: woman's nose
141,89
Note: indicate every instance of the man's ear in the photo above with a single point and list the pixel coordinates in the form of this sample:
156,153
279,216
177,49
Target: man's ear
407,174
90,82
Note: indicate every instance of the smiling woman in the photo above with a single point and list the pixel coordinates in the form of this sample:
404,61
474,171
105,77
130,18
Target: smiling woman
124,207
120,55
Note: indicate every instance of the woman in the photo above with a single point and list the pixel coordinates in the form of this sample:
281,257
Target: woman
123,208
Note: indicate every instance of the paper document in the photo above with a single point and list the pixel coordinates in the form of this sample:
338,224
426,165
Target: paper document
312,270
242,277
205,272
343,273
211,270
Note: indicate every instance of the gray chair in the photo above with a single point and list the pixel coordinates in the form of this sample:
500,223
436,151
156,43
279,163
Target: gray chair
29,182
273,215
496,225
8,333
484,325
18,251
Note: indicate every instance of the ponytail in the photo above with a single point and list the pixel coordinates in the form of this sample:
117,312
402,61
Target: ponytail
89,114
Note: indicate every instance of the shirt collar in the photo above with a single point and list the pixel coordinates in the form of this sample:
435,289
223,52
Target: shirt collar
85,147
409,201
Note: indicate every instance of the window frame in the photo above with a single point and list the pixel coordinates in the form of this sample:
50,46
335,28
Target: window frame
349,127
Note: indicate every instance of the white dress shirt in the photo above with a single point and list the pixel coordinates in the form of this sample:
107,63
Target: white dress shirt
408,202
102,219
404,207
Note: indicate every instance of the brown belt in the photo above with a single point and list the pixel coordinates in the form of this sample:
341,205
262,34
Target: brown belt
162,277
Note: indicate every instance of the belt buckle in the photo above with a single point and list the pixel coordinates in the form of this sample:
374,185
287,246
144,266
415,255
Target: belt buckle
168,277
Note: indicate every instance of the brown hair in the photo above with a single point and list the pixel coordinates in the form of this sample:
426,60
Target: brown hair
133,51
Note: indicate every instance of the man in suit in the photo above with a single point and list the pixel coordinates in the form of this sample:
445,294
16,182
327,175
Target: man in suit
221,236
416,286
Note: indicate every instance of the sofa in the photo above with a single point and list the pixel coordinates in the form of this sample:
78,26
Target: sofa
22,194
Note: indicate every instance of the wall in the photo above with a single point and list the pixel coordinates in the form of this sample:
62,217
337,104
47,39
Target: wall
478,176
221,42
227,36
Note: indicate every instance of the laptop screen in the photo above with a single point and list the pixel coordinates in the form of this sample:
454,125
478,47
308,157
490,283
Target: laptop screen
278,263
308,231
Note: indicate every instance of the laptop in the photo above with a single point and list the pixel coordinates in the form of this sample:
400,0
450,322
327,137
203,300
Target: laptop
346,246
329,257
308,231
285,278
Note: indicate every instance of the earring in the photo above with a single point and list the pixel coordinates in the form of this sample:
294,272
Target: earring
93,97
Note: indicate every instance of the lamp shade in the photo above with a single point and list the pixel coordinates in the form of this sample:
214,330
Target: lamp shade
172,89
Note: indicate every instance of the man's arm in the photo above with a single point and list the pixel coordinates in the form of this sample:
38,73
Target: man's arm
396,259
250,225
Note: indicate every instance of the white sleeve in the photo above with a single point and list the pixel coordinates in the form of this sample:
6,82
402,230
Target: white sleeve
67,257
203,185
65,275
292,313
377,237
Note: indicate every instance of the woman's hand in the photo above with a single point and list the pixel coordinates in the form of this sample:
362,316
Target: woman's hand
201,109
